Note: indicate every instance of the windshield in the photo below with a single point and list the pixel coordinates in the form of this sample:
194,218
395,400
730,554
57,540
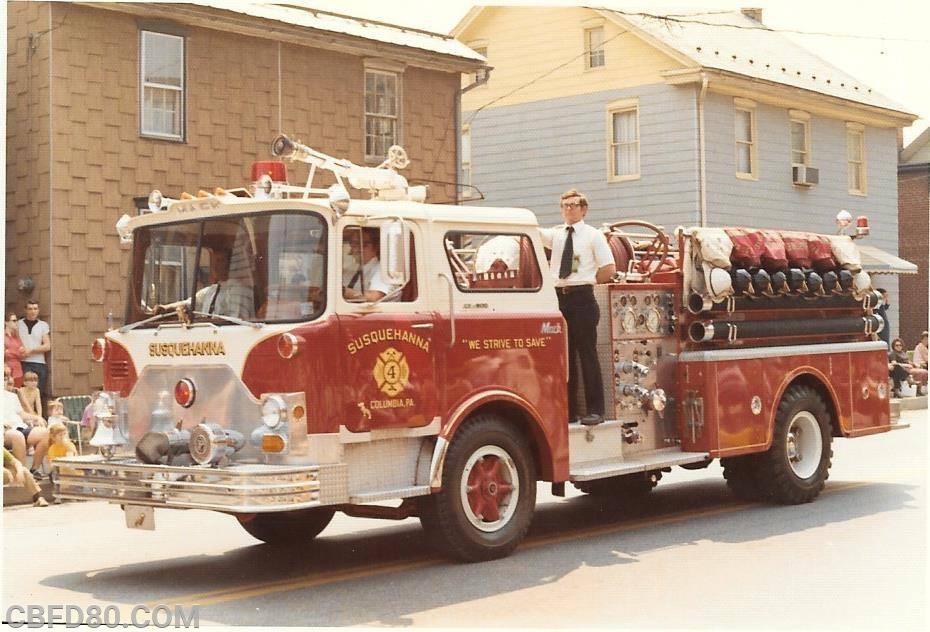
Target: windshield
262,268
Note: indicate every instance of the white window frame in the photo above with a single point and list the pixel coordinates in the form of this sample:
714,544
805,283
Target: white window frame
594,57
623,106
386,69
181,91
467,174
803,119
855,164
481,47
749,107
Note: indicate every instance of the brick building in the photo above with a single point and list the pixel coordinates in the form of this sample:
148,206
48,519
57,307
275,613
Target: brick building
106,101
913,229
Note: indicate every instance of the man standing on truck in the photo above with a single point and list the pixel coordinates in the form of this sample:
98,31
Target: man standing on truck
580,258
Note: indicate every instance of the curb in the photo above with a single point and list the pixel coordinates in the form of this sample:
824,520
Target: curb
910,403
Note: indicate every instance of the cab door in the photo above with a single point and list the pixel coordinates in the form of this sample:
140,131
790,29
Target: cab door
390,358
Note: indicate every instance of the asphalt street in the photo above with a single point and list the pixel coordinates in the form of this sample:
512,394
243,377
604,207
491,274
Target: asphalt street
690,557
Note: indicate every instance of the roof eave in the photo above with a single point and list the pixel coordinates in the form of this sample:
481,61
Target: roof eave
263,28
727,82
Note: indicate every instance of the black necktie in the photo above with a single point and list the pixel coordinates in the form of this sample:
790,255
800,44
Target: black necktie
358,275
568,253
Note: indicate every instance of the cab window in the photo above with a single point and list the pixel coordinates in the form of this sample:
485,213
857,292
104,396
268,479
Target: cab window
491,262
362,280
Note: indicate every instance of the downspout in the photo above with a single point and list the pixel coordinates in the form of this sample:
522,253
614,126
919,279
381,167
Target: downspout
481,78
280,103
702,153
457,122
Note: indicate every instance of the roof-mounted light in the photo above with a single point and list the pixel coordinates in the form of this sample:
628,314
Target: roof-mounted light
338,199
862,226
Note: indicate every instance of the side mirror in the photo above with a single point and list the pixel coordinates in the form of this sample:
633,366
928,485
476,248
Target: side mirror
395,252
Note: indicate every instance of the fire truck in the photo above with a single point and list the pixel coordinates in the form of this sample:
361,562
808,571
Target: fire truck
249,378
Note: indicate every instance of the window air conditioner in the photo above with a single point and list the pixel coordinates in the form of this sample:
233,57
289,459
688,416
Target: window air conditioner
804,175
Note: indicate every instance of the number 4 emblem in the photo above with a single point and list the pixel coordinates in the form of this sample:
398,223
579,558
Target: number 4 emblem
391,372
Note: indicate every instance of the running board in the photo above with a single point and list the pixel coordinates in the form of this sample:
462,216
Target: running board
656,460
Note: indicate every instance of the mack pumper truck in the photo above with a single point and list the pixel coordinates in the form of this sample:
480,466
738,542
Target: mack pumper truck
245,380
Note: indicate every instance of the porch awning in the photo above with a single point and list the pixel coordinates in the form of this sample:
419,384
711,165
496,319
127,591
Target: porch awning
876,261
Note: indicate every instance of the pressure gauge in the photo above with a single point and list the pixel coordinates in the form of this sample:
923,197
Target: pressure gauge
653,320
628,322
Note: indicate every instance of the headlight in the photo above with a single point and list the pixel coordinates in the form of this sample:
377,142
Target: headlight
274,411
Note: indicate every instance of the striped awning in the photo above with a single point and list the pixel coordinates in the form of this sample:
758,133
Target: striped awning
876,261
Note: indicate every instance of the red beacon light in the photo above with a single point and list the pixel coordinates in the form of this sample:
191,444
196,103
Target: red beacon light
265,174
862,226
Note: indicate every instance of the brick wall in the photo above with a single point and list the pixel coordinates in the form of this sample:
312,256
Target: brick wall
914,245
100,161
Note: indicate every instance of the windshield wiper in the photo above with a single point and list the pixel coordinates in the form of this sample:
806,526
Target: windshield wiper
148,320
232,319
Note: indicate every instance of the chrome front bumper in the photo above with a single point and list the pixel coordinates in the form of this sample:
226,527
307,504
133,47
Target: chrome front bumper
238,488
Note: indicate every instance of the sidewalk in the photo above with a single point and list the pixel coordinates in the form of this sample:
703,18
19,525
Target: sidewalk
18,495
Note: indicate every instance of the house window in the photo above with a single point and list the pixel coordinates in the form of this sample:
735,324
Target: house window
623,125
467,191
855,158
800,138
382,113
594,47
745,127
482,74
162,85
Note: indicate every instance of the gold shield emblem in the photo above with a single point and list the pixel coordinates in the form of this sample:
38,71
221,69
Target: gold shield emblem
391,372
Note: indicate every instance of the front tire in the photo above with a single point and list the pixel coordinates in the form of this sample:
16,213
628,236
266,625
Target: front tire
287,527
795,468
488,493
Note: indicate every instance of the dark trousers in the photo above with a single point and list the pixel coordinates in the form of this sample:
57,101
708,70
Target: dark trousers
40,369
582,314
897,374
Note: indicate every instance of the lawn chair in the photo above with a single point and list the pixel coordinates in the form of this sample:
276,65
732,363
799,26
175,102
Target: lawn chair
74,406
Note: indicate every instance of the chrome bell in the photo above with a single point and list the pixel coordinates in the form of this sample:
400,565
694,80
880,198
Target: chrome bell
108,436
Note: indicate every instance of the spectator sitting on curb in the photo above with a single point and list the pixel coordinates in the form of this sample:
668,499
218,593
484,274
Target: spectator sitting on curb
21,430
29,394
15,474
920,352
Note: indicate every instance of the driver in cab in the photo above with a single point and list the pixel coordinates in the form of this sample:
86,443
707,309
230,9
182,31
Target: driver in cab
224,296
362,280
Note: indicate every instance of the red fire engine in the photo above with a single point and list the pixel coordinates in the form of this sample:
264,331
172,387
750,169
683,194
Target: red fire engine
249,378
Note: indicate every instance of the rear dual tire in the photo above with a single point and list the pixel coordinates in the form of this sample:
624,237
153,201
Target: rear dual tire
796,466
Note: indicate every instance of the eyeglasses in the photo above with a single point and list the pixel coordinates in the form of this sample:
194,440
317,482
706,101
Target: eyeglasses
571,204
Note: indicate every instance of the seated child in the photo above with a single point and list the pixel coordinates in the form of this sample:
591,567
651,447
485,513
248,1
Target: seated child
56,414
59,445
29,394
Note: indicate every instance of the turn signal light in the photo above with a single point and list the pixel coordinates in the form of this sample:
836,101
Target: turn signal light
185,393
272,443
98,350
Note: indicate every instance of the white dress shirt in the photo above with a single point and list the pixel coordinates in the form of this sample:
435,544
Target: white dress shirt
590,249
